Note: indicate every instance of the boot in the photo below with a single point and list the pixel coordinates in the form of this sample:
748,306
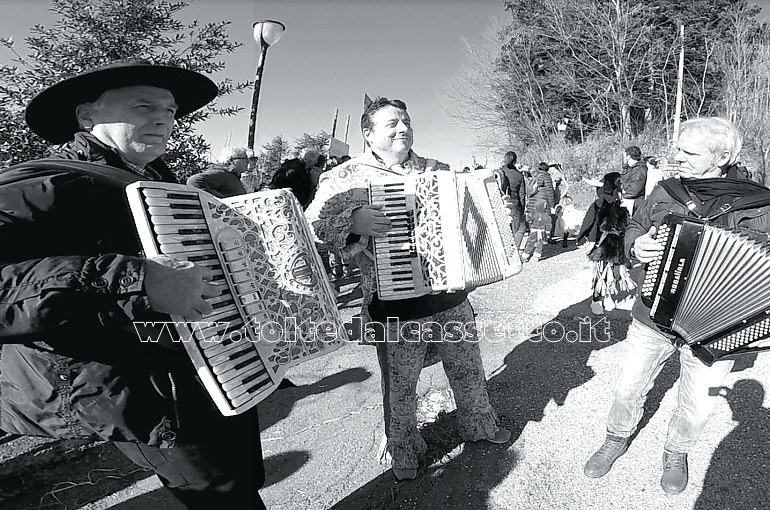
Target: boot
600,462
675,473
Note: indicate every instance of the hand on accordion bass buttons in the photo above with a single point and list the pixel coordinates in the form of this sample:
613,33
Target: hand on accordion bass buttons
178,287
369,220
646,247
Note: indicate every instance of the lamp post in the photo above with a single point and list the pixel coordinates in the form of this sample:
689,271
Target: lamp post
266,33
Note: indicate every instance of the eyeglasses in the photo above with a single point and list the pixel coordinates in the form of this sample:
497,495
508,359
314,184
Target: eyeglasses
250,159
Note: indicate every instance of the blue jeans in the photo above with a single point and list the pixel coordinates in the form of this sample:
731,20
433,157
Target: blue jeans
646,351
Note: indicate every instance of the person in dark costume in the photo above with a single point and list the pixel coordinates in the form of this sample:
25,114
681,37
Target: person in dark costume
604,226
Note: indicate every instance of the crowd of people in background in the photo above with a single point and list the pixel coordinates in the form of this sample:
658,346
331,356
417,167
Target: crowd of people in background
539,200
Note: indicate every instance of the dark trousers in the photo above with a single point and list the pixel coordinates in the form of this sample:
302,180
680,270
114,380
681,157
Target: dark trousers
382,360
222,471
519,227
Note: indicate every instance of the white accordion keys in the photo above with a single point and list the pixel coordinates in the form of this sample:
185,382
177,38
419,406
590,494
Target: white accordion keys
276,309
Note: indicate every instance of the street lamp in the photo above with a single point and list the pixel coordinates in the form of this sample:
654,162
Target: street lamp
266,33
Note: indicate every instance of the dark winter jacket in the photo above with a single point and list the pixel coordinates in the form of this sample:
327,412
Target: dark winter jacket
659,203
71,283
517,188
633,182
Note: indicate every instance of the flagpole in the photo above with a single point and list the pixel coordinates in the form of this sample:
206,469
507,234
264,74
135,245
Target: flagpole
680,79
334,124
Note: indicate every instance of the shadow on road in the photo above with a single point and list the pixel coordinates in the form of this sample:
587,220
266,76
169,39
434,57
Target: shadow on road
280,466
740,467
536,372
277,406
557,248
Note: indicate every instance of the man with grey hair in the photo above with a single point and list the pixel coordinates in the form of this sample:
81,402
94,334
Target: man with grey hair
224,179
708,187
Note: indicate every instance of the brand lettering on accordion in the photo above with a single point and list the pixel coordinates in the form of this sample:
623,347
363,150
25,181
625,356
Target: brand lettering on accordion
677,275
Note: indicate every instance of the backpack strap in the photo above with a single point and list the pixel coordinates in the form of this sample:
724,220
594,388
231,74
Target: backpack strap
101,173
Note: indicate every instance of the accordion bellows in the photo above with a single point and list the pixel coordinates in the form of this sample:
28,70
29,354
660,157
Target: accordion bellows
449,232
277,307
710,286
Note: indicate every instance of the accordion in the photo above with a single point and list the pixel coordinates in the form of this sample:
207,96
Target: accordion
276,309
449,232
710,286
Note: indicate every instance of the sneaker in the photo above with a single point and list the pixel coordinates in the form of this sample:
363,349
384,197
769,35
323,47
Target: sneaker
524,257
536,257
597,308
600,462
675,473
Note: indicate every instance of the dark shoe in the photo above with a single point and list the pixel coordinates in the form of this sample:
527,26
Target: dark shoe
405,474
675,474
600,462
501,437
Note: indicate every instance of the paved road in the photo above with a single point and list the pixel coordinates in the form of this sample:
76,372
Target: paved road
321,438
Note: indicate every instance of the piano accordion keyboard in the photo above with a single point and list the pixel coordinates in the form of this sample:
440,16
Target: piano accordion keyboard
397,263
224,351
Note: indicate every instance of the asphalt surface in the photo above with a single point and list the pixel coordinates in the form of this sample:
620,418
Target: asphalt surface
321,439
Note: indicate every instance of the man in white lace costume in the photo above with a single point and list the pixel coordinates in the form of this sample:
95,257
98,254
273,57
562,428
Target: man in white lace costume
342,218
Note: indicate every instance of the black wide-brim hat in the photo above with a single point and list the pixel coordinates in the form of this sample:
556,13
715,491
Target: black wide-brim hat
51,113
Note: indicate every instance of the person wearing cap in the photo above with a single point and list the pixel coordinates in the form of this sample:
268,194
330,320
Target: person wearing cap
224,179
74,285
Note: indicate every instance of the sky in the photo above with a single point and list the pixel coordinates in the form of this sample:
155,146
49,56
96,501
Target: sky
332,52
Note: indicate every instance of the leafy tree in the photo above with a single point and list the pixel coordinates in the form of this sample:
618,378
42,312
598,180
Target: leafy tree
609,66
90,33
745,94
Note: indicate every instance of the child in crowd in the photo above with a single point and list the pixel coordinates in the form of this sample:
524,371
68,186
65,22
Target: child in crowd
539,220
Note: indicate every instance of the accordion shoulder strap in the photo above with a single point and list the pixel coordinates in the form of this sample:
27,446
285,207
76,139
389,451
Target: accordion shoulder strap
101,173
678,192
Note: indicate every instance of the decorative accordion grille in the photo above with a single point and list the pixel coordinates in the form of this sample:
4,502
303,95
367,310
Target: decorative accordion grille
430,232
281,255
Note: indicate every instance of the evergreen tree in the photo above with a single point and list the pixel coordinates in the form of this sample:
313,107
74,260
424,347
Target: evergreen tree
90,33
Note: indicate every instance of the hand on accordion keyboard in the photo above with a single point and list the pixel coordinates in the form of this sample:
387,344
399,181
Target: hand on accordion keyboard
178,287
370,221
646,247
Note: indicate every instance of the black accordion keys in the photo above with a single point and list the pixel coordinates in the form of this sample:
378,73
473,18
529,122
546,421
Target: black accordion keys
710,286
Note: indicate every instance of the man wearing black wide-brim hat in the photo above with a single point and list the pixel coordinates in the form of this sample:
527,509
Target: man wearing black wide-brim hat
73,281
